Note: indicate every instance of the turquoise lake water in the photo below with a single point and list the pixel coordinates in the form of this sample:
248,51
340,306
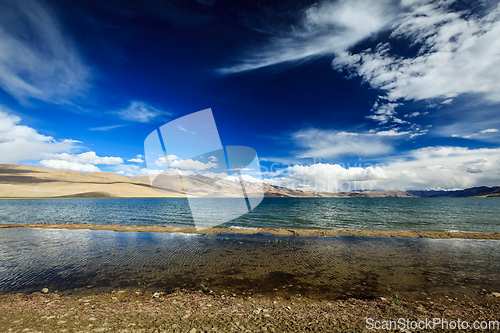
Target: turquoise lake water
430,214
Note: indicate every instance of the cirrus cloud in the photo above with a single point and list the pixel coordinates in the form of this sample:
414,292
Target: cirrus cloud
37,60
140,112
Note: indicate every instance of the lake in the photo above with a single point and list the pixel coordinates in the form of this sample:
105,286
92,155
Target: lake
426,214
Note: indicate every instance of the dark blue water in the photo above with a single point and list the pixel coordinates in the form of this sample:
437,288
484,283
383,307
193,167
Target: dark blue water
430,214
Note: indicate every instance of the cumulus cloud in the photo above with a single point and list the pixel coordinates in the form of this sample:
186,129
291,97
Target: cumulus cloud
140,112
325,28
137,159
37,60
133,170
66,165
84,162
85,158
20,143
431,168
190,164
176,162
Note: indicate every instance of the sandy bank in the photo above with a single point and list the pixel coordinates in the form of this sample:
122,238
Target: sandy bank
272,231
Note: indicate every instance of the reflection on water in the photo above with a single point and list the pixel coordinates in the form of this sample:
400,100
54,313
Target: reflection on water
342,266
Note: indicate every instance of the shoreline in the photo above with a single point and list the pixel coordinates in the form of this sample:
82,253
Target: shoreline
191,311
272,231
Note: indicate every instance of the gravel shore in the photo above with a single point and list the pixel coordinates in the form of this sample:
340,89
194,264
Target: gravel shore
271,231
204,311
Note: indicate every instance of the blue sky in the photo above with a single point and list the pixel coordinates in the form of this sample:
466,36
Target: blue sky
333,95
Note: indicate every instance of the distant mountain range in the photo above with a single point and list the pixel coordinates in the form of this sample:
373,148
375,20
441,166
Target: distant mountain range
24,181
482,191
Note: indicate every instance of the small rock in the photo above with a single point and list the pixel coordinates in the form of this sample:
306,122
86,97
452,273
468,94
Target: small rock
186,316
257,311
495,294
193,330
383,298
45,290
156,295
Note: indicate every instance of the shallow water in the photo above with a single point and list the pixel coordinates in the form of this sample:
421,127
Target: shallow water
83,261
428,214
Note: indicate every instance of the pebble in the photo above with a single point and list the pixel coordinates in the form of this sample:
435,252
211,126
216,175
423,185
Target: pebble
156,295
495,294
45,290
193,330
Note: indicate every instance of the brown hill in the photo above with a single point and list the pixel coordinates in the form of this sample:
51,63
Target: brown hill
24,181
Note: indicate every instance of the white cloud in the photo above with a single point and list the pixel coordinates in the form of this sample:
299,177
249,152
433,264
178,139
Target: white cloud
190,164
326,28
480,133
137,159
84,162
185,130
489,130
245,177
213,159
458,54
22,143
454,51
37,59
431,167
66,165
133,170
105,128
328,144
391,132
85,158
140,112
385,112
